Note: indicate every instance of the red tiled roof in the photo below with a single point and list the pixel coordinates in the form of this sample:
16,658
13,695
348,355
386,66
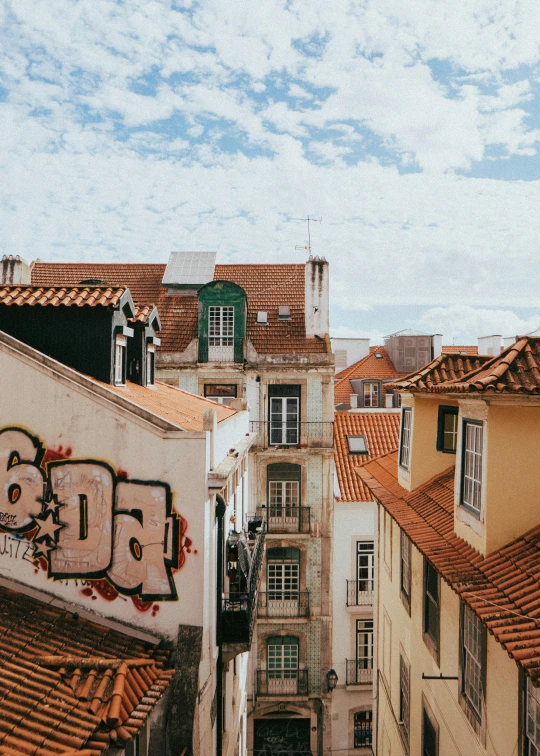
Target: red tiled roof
66,296
71,685
379,368
171,403
381,431
446,367
266,287
453,349
503,589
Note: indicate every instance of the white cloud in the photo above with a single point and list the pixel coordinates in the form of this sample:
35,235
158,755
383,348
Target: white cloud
465,324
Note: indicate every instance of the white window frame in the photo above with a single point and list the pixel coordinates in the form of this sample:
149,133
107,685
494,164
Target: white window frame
284,494
284,420
371,394
405,565
405,438
404,696
472,466
150,364
472,661
365,566
220,325
120,351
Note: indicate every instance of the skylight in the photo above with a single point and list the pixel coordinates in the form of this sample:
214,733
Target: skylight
357,445
378,355
284,312
262,317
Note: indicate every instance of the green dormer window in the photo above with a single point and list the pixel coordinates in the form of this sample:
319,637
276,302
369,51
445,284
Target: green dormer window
222,322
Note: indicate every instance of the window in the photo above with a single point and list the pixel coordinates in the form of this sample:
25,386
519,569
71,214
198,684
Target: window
447,430
472,660
284,492
220,326
282,581
471,475
371,394
363,724
405,448
532,719
284,415
404,697
357,445
284,312
364,651
387,541
223,393
405,567
150,364
378,356
364,566
429,735
120,360
431,604
137,746
282,664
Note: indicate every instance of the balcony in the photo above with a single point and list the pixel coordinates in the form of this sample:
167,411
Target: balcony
293,434
225,349
282,519
238,610
359,672
283,604
282,682
360,592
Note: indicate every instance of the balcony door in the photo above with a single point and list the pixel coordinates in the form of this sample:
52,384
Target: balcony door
283,582
284,497
364,651
284,415
365,566
220,333
282,658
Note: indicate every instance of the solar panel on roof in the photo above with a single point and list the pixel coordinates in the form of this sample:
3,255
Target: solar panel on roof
190,268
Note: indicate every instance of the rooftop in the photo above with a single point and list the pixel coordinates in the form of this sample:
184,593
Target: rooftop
381,433
66,296
502,589
463,349
266,286
446,367
68,684
370,366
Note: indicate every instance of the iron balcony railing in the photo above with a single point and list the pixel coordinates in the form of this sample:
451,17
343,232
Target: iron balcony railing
360,592
284,604
283,519
359,672
282,682
238,611
319,435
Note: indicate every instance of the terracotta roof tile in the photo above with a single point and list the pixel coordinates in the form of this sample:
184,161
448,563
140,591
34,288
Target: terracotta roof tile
445,368
381,431
68,684
266,287
65,296
503,589
179,407
454,349
371,366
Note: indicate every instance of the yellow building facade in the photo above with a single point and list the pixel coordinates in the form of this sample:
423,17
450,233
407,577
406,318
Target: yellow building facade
458,624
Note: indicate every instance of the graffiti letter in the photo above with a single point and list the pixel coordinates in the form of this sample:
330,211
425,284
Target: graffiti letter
21,480
145,541
84,490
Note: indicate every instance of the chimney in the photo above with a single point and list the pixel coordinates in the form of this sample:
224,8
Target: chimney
508,341
317,297
15,270
490,345
353,401
436,345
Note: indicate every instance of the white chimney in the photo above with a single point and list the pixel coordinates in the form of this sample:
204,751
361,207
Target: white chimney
436,344
353,401
317,297
14,270
508,341
490,345
389,401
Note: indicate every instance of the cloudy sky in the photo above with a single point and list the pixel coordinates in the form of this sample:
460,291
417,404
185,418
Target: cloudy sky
129,129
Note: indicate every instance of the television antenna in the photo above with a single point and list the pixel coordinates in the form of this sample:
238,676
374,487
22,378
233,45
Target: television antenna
309,219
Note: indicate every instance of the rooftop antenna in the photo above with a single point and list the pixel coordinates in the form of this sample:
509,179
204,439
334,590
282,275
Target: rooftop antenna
309,219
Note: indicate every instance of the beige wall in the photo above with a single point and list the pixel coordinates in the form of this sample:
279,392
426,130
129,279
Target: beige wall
425,461
456,736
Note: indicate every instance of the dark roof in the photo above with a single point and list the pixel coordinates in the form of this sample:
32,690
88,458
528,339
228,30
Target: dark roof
266,287
502,589
68,684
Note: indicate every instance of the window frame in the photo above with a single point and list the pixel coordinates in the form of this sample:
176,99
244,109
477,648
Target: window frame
478,513
354,437
405,569
120,360
150,365
364,627
225,400
427,715
358,729
405,463
223,336
526,749
374,388
368,552
431,633
290,430
404,698
445,410
474,715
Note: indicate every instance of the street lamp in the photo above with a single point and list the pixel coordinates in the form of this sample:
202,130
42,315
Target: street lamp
331,679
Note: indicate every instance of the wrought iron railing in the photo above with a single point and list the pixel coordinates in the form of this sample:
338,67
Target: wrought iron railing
283,519
360,592
359,672
318,435
239,610
282,682
284,604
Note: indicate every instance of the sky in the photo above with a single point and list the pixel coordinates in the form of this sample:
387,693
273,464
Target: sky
129,129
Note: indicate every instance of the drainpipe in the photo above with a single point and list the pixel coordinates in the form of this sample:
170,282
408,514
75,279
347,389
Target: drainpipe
220,513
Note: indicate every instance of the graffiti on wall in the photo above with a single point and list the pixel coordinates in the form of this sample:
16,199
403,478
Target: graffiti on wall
83,521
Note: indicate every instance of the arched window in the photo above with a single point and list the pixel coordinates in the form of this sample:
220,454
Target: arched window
363,722
222,322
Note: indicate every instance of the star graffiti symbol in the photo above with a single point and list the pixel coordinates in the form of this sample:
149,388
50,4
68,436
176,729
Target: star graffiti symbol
42,549
47,528
51,504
